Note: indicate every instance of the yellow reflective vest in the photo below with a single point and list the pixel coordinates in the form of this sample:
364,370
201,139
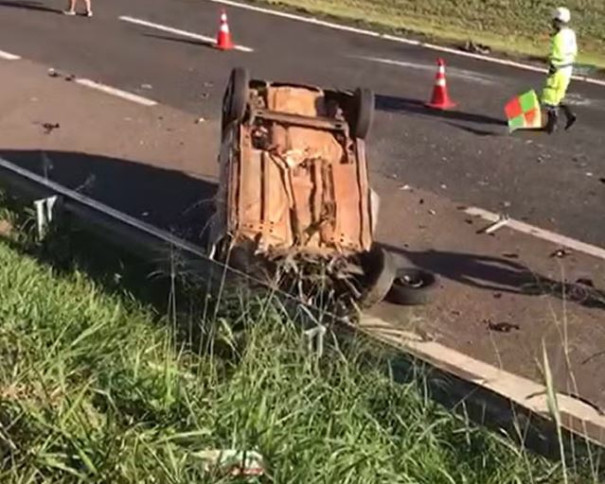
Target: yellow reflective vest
564,49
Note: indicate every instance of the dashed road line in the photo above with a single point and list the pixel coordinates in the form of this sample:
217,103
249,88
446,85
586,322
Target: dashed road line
116,92
528,229
8,56
395,38
182,33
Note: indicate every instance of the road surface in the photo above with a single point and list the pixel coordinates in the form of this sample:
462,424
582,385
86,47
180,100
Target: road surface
467,156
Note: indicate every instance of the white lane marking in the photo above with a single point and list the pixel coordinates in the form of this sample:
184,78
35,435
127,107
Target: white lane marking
401,40
116,92
451,71
8,56
540,233
182,33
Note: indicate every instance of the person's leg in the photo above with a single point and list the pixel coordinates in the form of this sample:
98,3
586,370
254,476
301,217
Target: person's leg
552,119
562,91
88,7
553,93
71,8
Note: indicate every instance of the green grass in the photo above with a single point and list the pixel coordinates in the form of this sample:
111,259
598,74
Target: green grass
509,26
97,385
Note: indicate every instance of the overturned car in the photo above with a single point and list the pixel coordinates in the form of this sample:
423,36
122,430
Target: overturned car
294,203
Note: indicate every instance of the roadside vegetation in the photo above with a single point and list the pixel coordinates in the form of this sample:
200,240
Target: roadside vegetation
109,374
509,26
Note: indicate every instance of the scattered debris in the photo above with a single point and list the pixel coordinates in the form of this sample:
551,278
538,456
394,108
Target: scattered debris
560,253
476,48
444,186
49,127
469,221
589,174
490,229
146,86
204,95
53,73
432,212
498,295
602,180
405,188
421,201
70,77
208,84
506,204
502,327
233,462
200,120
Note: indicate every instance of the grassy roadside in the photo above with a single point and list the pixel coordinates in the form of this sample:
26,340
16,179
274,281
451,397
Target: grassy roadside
514,27
97,385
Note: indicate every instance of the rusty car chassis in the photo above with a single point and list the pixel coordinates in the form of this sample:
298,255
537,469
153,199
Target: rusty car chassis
294,202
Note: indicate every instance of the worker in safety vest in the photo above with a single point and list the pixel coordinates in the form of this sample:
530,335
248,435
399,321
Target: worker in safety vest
561,59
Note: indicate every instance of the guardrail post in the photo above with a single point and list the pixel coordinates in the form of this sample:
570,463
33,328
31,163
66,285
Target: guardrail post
45,214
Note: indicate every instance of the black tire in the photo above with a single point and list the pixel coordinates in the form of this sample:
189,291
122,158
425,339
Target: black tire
379,268
235,99
412,287
363,114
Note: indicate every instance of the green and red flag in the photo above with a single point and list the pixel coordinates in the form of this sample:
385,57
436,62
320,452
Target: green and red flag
523,112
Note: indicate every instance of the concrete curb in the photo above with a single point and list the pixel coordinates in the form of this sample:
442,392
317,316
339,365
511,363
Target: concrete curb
579,418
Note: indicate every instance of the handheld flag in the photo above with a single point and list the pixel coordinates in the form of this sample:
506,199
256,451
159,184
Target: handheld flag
524,112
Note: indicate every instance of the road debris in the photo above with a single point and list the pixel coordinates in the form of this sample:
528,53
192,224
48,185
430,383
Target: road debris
503,327
476,48
510,255
53,73
146,86
490,229
200,120
405,188
560,253
233,462
49,127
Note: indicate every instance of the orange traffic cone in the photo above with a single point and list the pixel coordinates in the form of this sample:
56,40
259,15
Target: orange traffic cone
440,98
223,39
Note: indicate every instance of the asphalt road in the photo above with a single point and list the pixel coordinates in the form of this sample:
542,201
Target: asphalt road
555,182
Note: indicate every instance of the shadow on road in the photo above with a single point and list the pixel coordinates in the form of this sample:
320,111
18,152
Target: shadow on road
27,6
501,275
167,199
399,104
181,40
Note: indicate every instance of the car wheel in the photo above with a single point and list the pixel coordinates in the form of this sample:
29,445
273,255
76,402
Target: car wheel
379,269
412,287
235,99
363,115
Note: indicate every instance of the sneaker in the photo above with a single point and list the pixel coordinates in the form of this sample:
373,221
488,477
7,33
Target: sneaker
71,13
88,14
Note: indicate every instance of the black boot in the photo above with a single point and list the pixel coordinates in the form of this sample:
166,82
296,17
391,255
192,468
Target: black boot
569,115
552,119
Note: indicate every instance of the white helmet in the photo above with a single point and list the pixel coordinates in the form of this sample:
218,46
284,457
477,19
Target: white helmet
562,14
